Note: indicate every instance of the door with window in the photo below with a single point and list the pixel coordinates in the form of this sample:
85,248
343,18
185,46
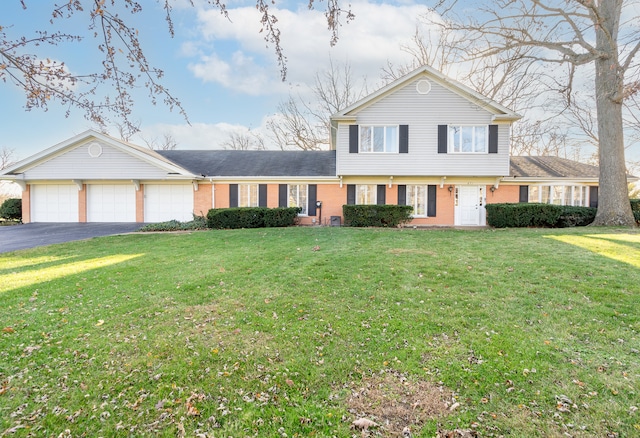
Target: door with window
469,206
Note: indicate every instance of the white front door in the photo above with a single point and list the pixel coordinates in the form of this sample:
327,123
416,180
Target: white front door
469,209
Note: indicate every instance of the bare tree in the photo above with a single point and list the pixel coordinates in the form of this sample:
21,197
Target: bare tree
576,33
165,143
124,66
7,157
304,123
244,141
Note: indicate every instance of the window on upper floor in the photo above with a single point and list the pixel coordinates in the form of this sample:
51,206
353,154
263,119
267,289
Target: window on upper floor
560,195
299,197
366,194
247,195
468,139
417,198
379,139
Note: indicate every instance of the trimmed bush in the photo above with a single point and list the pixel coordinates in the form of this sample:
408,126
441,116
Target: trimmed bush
635,207
252,217
538,215
376,215
11,209
198,223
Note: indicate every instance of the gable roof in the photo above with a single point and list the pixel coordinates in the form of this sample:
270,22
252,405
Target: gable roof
500,112
145,154
232,163
551,168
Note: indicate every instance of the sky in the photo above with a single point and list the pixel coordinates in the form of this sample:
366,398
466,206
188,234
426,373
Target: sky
222,70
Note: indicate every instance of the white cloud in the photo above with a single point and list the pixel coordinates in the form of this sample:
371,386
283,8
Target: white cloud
238,58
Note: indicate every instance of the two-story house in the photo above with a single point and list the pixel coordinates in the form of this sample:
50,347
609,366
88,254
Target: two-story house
423,140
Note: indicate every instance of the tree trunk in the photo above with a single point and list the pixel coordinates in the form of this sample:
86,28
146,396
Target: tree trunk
614,208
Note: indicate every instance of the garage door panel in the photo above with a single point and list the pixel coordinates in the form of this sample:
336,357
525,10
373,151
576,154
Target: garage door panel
167,202
54,203
111,203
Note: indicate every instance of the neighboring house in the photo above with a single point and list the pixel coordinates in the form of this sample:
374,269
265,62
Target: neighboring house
423,140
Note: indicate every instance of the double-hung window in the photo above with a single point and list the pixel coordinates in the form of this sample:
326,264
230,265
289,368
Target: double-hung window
247,195
379,139
560,195
417,198
299,197
468,139
366,194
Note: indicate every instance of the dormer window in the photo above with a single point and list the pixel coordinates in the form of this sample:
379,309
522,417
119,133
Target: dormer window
379,139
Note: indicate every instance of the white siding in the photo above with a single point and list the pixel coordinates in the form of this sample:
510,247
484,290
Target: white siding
111,164
423,113
54,203
111,203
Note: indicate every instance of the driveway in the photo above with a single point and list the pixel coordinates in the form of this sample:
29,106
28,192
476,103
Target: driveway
25,236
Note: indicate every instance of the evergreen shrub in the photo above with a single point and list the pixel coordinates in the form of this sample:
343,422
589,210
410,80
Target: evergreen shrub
11,209
252,217
376,215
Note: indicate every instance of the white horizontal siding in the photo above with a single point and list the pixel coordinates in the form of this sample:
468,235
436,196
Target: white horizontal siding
111,164
423,114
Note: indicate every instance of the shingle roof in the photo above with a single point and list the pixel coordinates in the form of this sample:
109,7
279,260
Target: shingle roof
231,163
255,163
550,167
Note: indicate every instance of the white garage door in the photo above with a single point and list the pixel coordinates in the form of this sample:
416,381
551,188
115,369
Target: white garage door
166,202
111,203
54,203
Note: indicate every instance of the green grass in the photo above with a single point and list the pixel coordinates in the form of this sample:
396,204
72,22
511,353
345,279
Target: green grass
267,332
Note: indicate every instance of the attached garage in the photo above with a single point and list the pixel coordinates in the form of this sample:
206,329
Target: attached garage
111,203
167,202
54,203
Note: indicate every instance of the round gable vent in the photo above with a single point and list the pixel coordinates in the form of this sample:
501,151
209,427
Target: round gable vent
423,86
95,150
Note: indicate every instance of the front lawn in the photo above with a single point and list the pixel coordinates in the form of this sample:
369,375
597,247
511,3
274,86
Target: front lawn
301,331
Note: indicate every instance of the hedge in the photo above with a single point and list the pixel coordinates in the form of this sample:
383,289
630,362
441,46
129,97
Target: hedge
11,209
635,207
538,215
376,215
252,217
198,223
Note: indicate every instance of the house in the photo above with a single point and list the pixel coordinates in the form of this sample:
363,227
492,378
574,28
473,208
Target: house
423,140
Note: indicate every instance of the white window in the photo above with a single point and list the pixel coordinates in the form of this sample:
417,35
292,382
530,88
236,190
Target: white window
247,195
366,194
417,198
560,195
382,139
299,197
468,139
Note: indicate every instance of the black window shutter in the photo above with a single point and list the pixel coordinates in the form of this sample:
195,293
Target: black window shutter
262,195
351,194
493,139
402,194
442,139
404,139
431,200
283,195
593,197
233,195
382,191
313,195
524,194
353,139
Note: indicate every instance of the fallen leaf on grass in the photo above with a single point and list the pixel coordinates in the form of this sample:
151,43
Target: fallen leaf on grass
100,322
364,423
8,330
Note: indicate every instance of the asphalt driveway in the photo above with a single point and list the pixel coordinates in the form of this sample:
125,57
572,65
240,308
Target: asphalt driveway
25,236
